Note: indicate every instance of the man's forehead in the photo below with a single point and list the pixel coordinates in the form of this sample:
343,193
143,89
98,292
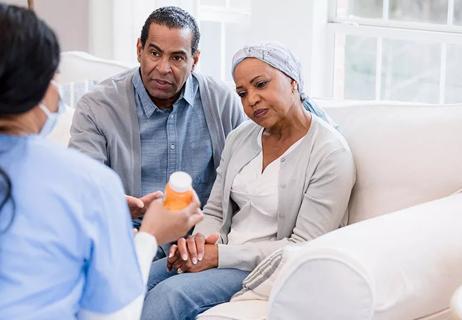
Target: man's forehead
171,39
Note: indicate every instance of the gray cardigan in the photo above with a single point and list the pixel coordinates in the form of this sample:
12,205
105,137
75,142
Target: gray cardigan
105,124
315,183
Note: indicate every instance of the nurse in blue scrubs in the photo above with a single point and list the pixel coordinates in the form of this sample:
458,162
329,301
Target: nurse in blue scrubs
67,249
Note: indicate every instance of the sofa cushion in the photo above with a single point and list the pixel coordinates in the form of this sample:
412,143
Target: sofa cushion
402,265
404,154
79,72
78,66
242,310
256,289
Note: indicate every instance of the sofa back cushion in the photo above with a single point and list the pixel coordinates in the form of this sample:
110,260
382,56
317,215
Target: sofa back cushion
404,154
79,72
78,66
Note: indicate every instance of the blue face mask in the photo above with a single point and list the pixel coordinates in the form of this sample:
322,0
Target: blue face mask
52,117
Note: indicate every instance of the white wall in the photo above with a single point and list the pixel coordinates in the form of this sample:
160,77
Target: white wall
68,18
110,28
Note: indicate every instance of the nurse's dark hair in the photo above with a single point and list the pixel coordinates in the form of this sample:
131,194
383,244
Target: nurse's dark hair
29,58
6,195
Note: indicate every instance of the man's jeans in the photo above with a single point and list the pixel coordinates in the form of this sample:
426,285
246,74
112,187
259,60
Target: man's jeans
183,296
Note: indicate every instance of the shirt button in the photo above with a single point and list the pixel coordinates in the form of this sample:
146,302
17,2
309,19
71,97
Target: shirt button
283,159
283,186
172,146
172,116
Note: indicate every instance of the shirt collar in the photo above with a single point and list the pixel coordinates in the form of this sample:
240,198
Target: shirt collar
188,93
140,92
190,90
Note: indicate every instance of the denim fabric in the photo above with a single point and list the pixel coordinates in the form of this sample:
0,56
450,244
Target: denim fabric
183,296
174,139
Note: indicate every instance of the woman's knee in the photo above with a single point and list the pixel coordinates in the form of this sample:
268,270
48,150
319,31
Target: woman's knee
167,297
158,273
170,288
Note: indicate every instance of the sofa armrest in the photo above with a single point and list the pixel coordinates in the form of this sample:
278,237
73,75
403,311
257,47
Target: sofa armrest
403,265
456,305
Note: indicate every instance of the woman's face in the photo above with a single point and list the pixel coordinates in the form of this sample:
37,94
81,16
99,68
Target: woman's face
266,93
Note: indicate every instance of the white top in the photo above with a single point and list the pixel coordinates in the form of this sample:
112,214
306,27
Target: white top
256,194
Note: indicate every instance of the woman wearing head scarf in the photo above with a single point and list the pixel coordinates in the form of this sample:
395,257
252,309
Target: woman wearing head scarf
66,244
285,178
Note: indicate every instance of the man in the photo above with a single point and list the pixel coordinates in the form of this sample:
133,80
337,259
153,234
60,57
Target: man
162,117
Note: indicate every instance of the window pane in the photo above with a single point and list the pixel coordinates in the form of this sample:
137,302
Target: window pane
241,5
360,56
410,71
453,75
210,48
434,11
213,3
235,35
365,8
458,12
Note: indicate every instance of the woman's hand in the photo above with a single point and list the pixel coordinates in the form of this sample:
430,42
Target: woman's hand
196,253
209,261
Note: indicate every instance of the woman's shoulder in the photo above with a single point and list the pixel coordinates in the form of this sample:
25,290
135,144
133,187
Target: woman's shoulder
245,130
327,137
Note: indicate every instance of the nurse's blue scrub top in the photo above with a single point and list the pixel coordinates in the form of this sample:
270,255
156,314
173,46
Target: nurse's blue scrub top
70,245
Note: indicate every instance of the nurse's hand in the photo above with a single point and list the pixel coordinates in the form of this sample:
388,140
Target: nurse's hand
138,206
166,225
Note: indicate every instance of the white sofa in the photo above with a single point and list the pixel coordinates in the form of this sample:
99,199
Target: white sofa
402,265
406,262
78,72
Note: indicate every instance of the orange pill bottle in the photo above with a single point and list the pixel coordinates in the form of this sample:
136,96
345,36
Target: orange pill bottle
178,191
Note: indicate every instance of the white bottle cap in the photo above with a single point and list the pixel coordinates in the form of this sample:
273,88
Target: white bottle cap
180,181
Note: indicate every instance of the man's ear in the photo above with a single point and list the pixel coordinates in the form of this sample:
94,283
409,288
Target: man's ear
196,57
139,49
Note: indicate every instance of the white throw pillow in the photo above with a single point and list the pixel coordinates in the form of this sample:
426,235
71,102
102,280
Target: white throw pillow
258,284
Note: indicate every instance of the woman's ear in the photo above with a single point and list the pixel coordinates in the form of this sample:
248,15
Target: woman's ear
294,86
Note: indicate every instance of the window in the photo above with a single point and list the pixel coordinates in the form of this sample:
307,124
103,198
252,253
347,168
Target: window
222,24
225,25
404,50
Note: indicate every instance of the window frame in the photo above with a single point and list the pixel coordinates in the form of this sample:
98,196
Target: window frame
222,15
385,28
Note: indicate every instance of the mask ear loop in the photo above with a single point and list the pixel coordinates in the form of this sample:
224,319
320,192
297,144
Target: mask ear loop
61,105
44,108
